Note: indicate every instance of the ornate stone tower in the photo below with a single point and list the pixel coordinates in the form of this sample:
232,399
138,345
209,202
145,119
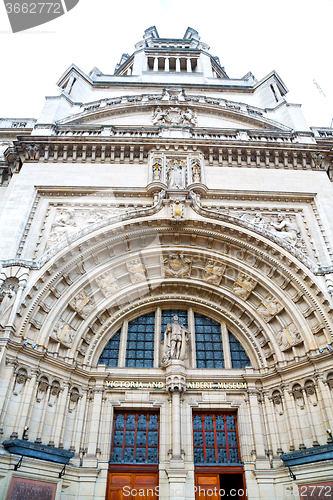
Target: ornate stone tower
166,286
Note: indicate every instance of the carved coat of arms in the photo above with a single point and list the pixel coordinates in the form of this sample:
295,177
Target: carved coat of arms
176,265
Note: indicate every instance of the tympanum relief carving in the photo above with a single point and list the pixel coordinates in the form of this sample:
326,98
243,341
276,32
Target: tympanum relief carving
69,220
136,269
288,337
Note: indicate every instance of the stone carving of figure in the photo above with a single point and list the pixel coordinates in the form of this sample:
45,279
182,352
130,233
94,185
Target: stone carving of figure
176,265
63,333
8,293
157,169
107,283
136,269
244,286
189,117
159,115
62,225
286,229
176,336
82,304
213,272
269,307
175,175
32,151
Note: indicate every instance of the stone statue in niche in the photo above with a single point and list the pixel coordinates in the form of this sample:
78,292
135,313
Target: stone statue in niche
82,304
286,230
63,333
176,337
42,389
269,307
8,293
20,381
213,272
175,174
298,396
177,266
196,170
107,283
277,401
136,270
244,286
157,169
288,337
311,393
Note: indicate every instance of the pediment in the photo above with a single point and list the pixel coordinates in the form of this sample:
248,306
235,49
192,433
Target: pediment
155,111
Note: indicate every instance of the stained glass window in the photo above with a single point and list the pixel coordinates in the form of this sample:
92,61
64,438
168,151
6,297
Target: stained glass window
167,317
110,355
140,342
215,439
239,358
135,438
208,342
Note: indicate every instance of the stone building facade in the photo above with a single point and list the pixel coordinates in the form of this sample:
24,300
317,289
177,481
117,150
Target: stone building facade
166,286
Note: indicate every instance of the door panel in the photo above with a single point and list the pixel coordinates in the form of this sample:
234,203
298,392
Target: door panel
206,482
143,486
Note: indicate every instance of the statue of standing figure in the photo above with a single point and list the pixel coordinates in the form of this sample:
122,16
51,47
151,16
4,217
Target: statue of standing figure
176,336
175,175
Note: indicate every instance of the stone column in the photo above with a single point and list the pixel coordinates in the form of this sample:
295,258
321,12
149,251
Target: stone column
61,414
26,398
177,64
176,385
257,429
123,344
166,66
155,64
188,64
91,460
226,346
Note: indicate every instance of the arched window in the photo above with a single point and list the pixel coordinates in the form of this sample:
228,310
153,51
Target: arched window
140,342
208,342
239,358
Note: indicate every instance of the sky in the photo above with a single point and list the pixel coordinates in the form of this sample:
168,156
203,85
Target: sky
292,37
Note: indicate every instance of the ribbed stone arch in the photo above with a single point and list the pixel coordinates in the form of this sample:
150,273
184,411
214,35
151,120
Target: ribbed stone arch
80,266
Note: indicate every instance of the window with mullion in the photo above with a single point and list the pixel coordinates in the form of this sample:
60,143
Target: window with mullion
215,439
208,342
135,438
140,342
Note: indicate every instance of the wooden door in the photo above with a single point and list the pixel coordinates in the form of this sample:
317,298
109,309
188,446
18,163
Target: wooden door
130,486
206,482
